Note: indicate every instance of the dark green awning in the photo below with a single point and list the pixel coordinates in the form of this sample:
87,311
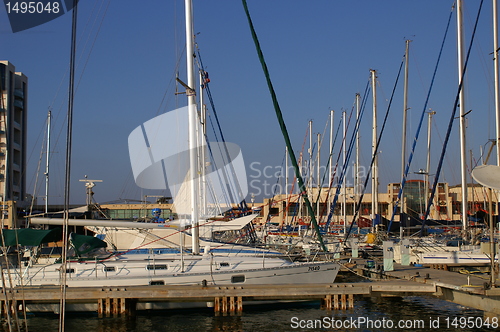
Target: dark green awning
30,237
84,243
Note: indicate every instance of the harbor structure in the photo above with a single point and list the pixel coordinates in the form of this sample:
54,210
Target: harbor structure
13,141
285,209
447,204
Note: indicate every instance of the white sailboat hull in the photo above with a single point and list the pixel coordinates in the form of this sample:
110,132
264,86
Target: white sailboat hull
453,257
139,269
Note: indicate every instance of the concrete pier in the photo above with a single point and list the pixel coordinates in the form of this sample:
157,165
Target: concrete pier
465,289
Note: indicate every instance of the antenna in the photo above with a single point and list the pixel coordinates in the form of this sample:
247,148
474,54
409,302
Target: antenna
89,184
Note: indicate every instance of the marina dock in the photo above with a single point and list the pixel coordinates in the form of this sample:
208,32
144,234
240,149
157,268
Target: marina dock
467,290
224,299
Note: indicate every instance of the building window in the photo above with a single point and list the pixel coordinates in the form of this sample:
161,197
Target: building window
17,157
16,178
17,136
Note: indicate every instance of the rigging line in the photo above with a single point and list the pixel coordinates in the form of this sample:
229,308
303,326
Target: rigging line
298,206
356,128
377,145
321,183
219,176
281,122
451,169
93,42
235,181
328,165
271,202
344,168
83,32
422,116
450,124
129,179
85,64
38,170
330,154
344,165
172,80
41,133
91,29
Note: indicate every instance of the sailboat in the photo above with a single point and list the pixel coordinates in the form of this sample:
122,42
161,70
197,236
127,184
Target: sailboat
90,263
459,251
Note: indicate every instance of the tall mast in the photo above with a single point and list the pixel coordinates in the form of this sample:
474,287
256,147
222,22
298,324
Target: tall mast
374,147
286,186
318,169
344,159
310,154
405,111
497,112
286,171
428,167
330,168
356,176
193,121
49,116
463,156
496,74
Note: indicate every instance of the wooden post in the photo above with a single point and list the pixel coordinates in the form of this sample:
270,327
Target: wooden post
351,301
343,301
217,306
224,305
100,308
107,307
115,309
239,305
123,307
231,305
336,301
327,302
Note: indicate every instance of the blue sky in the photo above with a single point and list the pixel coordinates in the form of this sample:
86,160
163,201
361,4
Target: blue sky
319,54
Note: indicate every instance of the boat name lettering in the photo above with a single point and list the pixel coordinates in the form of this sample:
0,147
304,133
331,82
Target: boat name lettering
314,268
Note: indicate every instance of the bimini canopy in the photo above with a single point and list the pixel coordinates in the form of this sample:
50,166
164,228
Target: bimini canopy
83,244
30,236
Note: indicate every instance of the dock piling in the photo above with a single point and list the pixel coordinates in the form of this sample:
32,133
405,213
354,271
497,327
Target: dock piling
228,305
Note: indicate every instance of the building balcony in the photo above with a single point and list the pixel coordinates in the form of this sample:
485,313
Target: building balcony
19,104
19,93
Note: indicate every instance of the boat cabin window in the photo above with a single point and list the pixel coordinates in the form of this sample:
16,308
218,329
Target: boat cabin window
109,269
157,282
238,278
157,267
224,264
70,270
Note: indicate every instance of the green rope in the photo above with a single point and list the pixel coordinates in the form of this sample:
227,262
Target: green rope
283,128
